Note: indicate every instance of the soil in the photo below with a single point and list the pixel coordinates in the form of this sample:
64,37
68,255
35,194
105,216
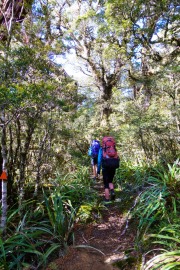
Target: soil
107,244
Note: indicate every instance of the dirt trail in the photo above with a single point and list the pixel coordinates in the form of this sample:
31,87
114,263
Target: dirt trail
110,244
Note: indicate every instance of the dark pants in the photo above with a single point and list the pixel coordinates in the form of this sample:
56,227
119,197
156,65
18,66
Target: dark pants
94,161
108,175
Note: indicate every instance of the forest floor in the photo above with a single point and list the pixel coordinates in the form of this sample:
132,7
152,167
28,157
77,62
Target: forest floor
107,244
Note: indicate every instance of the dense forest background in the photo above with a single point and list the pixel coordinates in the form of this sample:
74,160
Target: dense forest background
71,71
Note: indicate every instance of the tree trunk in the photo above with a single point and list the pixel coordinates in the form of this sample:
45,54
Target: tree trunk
143,144
4,169
23,162
39,163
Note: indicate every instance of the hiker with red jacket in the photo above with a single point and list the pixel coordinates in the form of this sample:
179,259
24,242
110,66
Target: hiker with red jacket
108,159
93,153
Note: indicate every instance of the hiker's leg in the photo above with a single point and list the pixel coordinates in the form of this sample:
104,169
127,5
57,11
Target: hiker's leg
111,185
95,167
92,165
111,174
106,183
106,192
94,171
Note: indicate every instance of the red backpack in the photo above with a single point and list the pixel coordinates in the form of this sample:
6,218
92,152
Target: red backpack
110,154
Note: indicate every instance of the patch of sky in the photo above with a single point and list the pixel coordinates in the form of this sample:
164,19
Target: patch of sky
127,92
100,11
75,69
125,89
139,23
36,8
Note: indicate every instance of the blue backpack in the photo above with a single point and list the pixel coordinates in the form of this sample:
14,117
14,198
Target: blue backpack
95,146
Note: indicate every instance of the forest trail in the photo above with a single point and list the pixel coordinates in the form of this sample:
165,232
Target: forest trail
107,244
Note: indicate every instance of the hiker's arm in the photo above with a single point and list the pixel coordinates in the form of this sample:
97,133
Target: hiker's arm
89,151
99,161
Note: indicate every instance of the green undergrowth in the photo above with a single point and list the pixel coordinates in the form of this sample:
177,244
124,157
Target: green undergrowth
42,229
127,263
152,195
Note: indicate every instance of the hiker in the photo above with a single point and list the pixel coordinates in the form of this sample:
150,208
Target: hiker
93,153
108,159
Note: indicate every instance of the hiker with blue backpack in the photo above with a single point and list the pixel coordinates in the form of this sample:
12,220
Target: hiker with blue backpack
108,160
93,153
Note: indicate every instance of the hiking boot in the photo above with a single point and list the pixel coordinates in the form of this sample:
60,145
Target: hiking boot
107,203
112,195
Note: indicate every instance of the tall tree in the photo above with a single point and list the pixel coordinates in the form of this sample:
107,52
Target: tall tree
34,92
151,29
152,37
84,29
12,12
4,170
